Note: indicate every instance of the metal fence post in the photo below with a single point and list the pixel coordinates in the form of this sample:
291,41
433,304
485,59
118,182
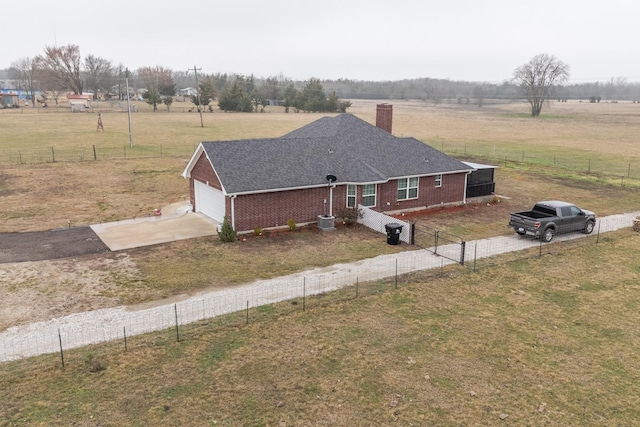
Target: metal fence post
413,234
61,352
175,308
396,285
540,247
475,257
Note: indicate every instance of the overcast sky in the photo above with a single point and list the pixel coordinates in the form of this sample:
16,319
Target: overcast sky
330,39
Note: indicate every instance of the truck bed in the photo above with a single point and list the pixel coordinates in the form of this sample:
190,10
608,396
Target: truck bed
533,214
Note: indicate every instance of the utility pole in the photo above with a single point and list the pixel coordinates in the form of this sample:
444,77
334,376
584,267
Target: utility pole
195,71
126,77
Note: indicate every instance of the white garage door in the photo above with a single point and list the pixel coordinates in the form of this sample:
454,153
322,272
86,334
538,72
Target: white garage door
209,201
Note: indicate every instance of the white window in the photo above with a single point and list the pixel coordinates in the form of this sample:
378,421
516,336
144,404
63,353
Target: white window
369,195
408,188
351,196
438,180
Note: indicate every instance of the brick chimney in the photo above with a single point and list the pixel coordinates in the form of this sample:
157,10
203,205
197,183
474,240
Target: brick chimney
384,115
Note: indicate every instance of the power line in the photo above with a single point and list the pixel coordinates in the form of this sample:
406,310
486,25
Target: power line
195,71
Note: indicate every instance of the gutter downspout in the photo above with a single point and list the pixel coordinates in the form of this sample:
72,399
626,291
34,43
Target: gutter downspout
331,200
233,211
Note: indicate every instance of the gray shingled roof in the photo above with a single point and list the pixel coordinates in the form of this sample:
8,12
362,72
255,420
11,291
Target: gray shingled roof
345,146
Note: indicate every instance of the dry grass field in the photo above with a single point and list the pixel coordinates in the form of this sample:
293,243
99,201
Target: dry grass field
533,342
540,342
597,143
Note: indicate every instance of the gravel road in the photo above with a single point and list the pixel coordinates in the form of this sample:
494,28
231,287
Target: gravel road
92,327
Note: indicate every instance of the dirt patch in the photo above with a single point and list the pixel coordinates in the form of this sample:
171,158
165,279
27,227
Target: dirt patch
33,291
40,290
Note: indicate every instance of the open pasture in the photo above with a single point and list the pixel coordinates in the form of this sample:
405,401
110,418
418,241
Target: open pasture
49,177
534,342
604,131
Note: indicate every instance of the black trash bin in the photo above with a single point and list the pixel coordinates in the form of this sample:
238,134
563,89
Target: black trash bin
393,233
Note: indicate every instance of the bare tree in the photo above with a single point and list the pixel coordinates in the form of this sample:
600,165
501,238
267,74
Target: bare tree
159,82
51,86
479,95
616,88
538,77
99,72
26,72
62,65
117,81
158,78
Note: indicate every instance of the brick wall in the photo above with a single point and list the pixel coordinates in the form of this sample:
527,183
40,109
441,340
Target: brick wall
451,191
274,209
267,210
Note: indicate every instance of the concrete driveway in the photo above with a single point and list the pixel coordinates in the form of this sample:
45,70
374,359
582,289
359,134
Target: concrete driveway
175,223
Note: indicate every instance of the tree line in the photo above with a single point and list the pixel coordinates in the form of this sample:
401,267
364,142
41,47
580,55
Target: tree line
60,70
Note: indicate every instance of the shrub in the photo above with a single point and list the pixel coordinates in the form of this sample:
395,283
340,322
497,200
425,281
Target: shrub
292,224
93,364
350,216
258,231
227,233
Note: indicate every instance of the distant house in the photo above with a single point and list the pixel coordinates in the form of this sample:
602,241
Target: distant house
79,102
320,169
79,99
188,91
8,100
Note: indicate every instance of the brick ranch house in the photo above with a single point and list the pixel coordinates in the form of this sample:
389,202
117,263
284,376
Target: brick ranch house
321,169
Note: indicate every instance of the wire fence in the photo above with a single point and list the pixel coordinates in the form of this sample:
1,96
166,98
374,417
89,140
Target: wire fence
297,292
483,253
93,153
618,171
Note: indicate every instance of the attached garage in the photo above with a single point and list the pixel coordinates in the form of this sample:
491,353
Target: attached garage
209,201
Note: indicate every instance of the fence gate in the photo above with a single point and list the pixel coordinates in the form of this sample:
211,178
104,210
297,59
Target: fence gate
441,243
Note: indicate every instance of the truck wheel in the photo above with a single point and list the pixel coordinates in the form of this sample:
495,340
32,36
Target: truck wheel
589,226
548,234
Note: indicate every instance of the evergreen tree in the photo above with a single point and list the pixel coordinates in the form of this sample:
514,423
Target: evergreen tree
227,233
236,97
314,98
